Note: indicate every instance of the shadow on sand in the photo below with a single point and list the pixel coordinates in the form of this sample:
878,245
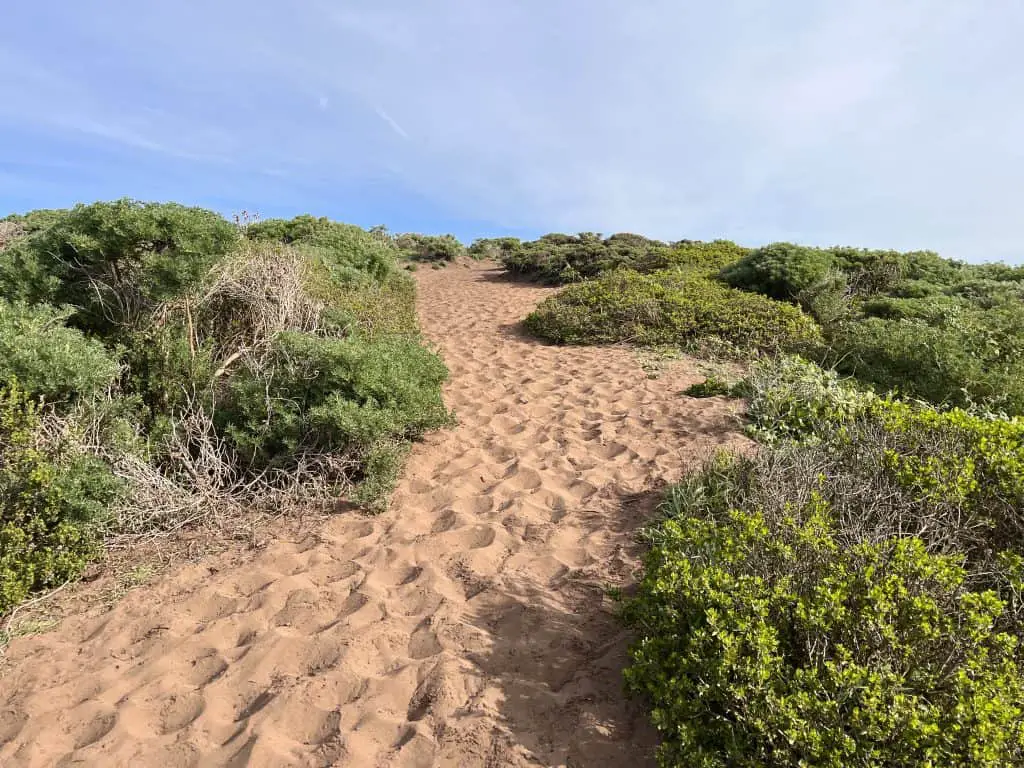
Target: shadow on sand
559,650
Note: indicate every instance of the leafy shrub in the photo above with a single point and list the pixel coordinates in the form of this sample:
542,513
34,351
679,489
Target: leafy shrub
668,308
792,398
113,262
706,258
557,258
332,395
33,221
349,253
494,247
52,497
767,641
712,386
780,270
48,358
430,248
967,357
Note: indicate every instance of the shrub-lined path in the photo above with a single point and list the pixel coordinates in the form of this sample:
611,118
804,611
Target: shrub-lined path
468,626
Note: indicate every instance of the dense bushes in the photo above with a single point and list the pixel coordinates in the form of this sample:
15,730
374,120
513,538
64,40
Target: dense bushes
331,395
668,307
161,353
767,641
53,497
430,248
557,258
850,599
350,254
114,262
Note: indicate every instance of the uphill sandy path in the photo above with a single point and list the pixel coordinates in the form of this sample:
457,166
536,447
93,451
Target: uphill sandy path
466,627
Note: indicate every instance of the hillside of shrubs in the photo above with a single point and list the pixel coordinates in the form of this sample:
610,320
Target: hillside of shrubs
852,592
160,364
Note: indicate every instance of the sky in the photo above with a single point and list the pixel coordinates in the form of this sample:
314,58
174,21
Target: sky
876,123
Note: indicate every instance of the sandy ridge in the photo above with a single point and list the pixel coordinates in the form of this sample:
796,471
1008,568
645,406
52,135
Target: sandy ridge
468,626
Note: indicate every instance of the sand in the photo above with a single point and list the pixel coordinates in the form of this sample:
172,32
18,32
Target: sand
468,626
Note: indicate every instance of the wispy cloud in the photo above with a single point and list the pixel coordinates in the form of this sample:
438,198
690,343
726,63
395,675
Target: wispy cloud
390,121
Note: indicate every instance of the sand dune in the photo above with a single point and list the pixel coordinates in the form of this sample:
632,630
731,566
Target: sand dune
468,626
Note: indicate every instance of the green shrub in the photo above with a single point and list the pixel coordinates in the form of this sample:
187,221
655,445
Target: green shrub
669,307
706,258
52,498
33,221
494,247
430,248
792,398
321,394
767,641
780,270
113,262
48,358
712,386
349,253
968,357
559,259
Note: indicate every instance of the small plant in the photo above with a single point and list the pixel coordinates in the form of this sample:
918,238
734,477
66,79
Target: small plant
712,386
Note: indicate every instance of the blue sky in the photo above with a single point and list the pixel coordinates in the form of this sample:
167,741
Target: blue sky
888,124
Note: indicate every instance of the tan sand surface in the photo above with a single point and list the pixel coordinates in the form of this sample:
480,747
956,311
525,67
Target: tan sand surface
468,626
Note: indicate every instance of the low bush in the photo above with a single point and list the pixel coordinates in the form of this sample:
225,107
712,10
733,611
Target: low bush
706,258
963,358
495,248
670,307
430,248
53,499
851,594
318,394
780,270
768,640
114,262
712,386
558,259
50,359
793,399
349,253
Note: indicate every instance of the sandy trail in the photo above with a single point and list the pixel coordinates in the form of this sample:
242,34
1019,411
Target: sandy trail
466,627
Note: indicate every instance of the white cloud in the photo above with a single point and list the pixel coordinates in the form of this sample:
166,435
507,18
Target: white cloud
390,121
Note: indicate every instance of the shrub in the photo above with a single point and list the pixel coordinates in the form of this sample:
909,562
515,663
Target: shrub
52,498
349,253
780,270
48,358
33,221
430,248
494,247
113,262
668,308
792,398
712,386
706,258
966,358
557,258
322,394
766,641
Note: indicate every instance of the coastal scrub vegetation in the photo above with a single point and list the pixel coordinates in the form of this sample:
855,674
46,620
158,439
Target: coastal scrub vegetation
159,362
